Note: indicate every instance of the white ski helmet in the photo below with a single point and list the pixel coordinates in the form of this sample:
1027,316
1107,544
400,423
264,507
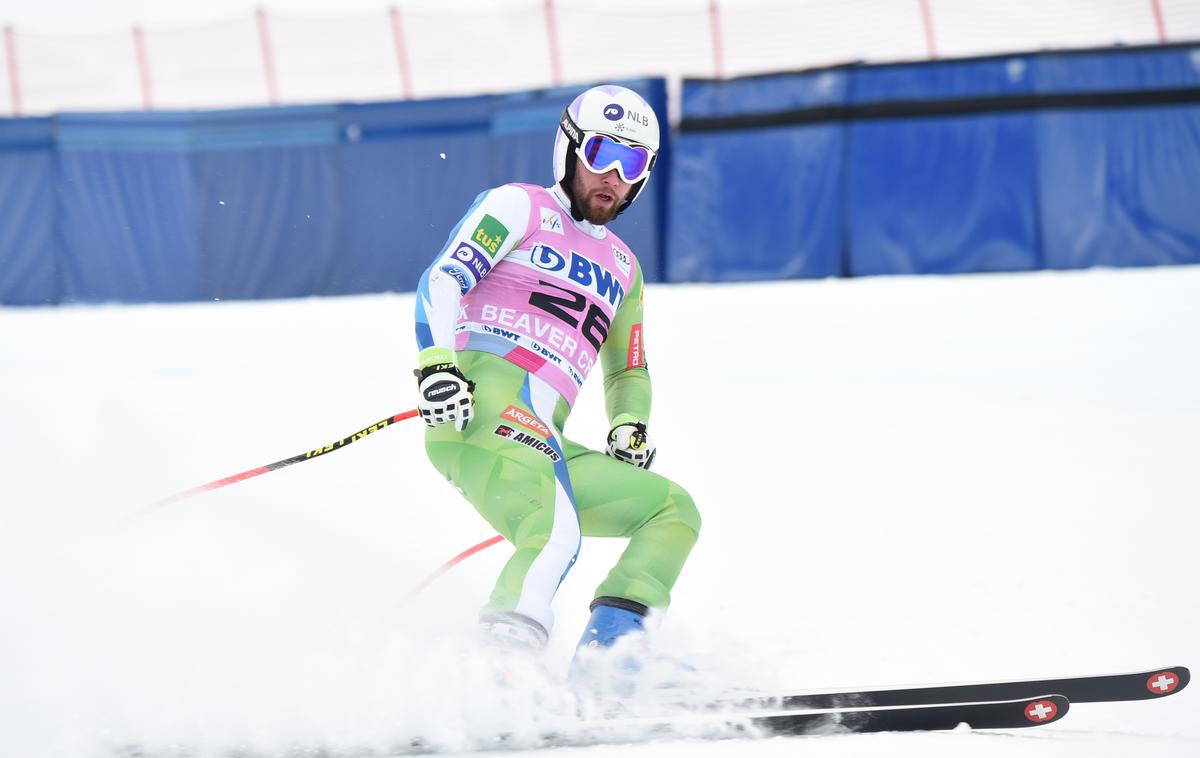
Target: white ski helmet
608,110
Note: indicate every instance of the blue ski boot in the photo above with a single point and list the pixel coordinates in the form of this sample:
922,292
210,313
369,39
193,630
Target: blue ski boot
598,669
612,618
616,663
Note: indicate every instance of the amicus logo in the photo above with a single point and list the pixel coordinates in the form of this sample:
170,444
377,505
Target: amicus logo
614,112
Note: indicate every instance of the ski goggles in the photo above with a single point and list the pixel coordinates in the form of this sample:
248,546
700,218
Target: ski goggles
602,153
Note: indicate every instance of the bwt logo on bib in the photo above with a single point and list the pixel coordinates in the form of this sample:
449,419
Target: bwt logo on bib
581,270
614,112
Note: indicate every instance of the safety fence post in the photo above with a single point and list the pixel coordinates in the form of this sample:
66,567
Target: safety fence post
552,41
714,23
1159,22
927,21
14,80
401,51
143,64
268,55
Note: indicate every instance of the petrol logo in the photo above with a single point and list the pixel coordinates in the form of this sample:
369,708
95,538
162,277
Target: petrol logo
636,358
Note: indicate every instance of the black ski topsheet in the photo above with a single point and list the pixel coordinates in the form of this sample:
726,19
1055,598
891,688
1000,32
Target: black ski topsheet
1013,714
1141,685
1009,714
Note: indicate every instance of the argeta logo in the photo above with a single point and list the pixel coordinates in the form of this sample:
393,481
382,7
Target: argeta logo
614,112
525,420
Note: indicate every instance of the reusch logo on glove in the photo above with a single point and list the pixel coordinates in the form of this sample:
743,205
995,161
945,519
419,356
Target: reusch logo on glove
440,389
525,420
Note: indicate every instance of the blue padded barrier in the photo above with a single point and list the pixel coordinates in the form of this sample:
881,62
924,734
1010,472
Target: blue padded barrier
1119,186
1006,163
29,248
762,203
1057,160
1116,70
946,194
123,212
269,202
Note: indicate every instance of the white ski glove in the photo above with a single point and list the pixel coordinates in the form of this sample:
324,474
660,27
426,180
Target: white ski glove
629,442
445,392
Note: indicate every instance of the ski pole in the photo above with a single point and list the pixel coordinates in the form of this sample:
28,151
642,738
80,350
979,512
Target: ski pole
449,565
307,456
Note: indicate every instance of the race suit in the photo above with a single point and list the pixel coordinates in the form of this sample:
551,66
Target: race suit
530,300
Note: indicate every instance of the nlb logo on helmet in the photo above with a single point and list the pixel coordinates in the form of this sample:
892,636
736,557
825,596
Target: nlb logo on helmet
614,112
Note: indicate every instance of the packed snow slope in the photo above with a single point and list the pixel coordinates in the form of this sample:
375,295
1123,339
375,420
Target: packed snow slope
902,480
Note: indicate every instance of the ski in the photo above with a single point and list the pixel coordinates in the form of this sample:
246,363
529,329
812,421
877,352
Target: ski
1141,685
1015,714
1005,714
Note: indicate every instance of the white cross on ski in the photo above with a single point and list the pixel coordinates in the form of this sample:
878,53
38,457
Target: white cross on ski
1163,683
1040,711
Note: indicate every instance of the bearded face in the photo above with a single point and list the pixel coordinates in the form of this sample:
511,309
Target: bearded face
598,196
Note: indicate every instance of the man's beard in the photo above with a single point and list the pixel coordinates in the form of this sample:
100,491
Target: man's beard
592,211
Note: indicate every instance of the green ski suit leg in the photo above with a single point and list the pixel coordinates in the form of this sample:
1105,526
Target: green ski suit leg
542,505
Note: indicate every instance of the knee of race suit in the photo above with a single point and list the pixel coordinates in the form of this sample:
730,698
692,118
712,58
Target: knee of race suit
684,507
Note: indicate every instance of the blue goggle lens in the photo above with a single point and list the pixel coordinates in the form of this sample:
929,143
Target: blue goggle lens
602,153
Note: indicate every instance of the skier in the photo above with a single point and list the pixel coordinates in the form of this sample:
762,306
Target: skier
529,292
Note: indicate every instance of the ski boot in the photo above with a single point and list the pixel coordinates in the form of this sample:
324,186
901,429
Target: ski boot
609,656
513,645
615,662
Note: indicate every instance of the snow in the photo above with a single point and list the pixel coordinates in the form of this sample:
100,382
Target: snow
902,480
